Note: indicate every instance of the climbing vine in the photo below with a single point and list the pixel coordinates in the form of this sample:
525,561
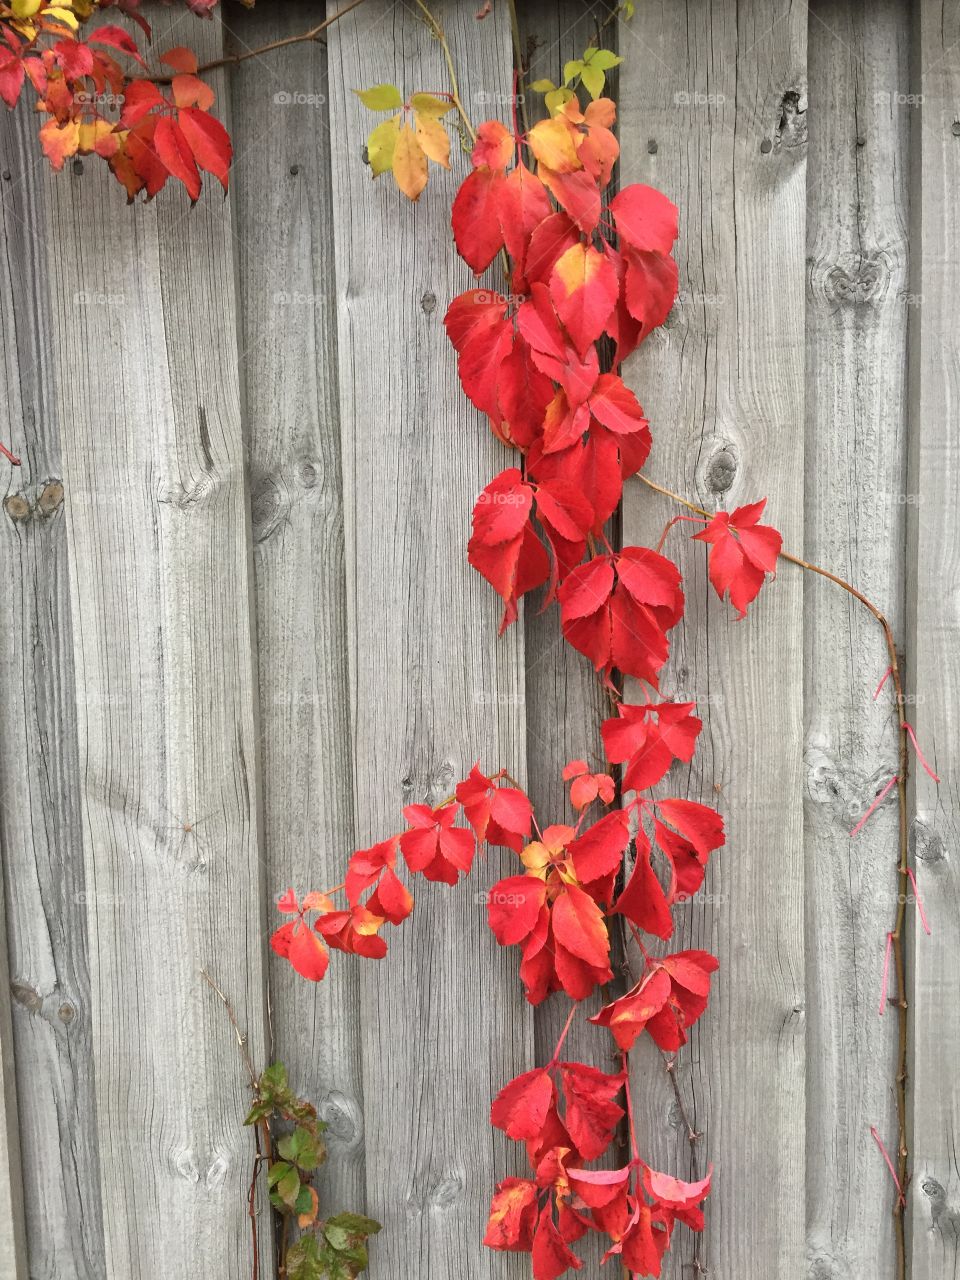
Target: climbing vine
586,273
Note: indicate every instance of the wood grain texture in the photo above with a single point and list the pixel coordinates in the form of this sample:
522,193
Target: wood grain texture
858,301
144,344
284,215
713,112
40,827
13,1238
443,1020
934,641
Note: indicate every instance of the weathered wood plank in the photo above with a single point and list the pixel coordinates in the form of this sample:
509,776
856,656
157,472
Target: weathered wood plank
13,1239
144,346
713,96
856,502
284,216
443,1021
934,643
39,772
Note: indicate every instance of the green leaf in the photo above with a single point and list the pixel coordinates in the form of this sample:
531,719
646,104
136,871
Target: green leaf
345,1230
593,79
304,1261
429,105
382,97
628,9
381,145
556,100
543,86
304,1201
259,1111
276,1172
571,70
274,1078
602,58
302,1148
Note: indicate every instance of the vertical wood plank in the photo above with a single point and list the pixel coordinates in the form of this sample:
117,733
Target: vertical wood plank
144,345
443,1020
934,647
856,501
40,827
284,221
713,102
13,1239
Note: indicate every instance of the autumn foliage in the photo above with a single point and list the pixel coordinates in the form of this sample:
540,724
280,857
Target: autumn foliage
585,280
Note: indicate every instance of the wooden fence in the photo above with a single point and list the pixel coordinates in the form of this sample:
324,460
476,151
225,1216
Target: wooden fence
241,632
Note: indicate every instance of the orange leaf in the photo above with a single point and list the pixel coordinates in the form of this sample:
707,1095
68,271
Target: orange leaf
409,164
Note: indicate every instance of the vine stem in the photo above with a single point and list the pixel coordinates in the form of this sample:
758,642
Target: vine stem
264,1125
231,59
903,867
440,36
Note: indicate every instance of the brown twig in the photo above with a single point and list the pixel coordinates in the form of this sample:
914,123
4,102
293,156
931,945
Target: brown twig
439,35
231,59
896,935
263,1127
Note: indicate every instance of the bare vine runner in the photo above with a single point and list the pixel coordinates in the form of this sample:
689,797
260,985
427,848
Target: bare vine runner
583,275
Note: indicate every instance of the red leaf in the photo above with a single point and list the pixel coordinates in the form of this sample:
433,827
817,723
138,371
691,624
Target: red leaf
494,147
513,908
702,826
174,151
512,562
644,1244
523,206
583,289
476,218
180,60
578,925
598,852
597,1187
11,77
366,865
139,98
75,58
520,1108
209,142
434,846
503,508
391,899
627,1017
499,815
298,943
577,193
548,242
591,1115
116,38
648,738
645,218
643,900
651,282
513,1216
551,1257
742,553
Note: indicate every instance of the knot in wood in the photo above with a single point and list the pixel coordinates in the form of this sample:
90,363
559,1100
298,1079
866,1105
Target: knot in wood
51,497
17,506
721,471
857,281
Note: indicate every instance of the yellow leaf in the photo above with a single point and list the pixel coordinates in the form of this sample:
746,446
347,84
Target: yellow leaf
381,144
552,142
426,104
25,8
62,15
409,164
434,139
59,142
557,99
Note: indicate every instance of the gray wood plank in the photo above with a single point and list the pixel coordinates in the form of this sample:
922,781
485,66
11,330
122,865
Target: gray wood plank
934,642
13,1239
856,502
144,345
443,1018
284,220
39,772
713,96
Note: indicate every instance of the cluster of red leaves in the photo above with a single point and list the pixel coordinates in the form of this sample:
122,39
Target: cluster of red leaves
635,1206
581,274
146,131
579,278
